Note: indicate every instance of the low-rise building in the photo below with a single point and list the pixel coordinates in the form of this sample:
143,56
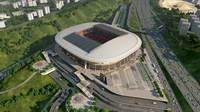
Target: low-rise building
30,16
2,24
17,13
40,13
46,10
184,26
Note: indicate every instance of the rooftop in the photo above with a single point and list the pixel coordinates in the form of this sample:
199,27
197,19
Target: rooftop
98,42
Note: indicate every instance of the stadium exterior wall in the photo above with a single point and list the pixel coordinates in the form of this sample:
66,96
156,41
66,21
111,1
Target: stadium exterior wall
108,53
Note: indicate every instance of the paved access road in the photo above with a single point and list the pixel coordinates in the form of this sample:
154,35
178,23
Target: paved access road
65,88
130,103
188,86
125,104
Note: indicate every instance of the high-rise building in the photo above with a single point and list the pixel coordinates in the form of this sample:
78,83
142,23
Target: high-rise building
193,17
67,1
59,4
194,26
198,31
184,26
40,13
34,13
43,1
76,0
16,5
46,10
24,3
198,13
30,16
32,3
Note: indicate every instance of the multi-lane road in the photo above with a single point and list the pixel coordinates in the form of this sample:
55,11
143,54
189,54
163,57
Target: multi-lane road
188,86
65,88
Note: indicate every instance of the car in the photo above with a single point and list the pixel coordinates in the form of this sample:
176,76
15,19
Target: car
155,70
153,65
154,103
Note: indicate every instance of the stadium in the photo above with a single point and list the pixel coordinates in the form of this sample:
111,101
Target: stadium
98,46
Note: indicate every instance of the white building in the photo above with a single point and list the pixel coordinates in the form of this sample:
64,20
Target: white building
76,0
32,3
40,13
67,1
24,3
59,4
4,16
46,10
17,13
16,5
184,26
2,24
43,1
34,13
30,16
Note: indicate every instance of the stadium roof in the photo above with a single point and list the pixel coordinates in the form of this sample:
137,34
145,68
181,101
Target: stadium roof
90,50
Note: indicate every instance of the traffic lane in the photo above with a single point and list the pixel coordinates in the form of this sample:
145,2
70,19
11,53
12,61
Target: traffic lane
139,10
123,107
130,100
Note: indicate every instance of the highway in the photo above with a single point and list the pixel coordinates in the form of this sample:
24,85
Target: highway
171,97
5,72
65,88
59,101
188,86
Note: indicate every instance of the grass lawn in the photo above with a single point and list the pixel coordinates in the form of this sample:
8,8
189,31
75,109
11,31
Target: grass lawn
22,41
13,80
29,103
